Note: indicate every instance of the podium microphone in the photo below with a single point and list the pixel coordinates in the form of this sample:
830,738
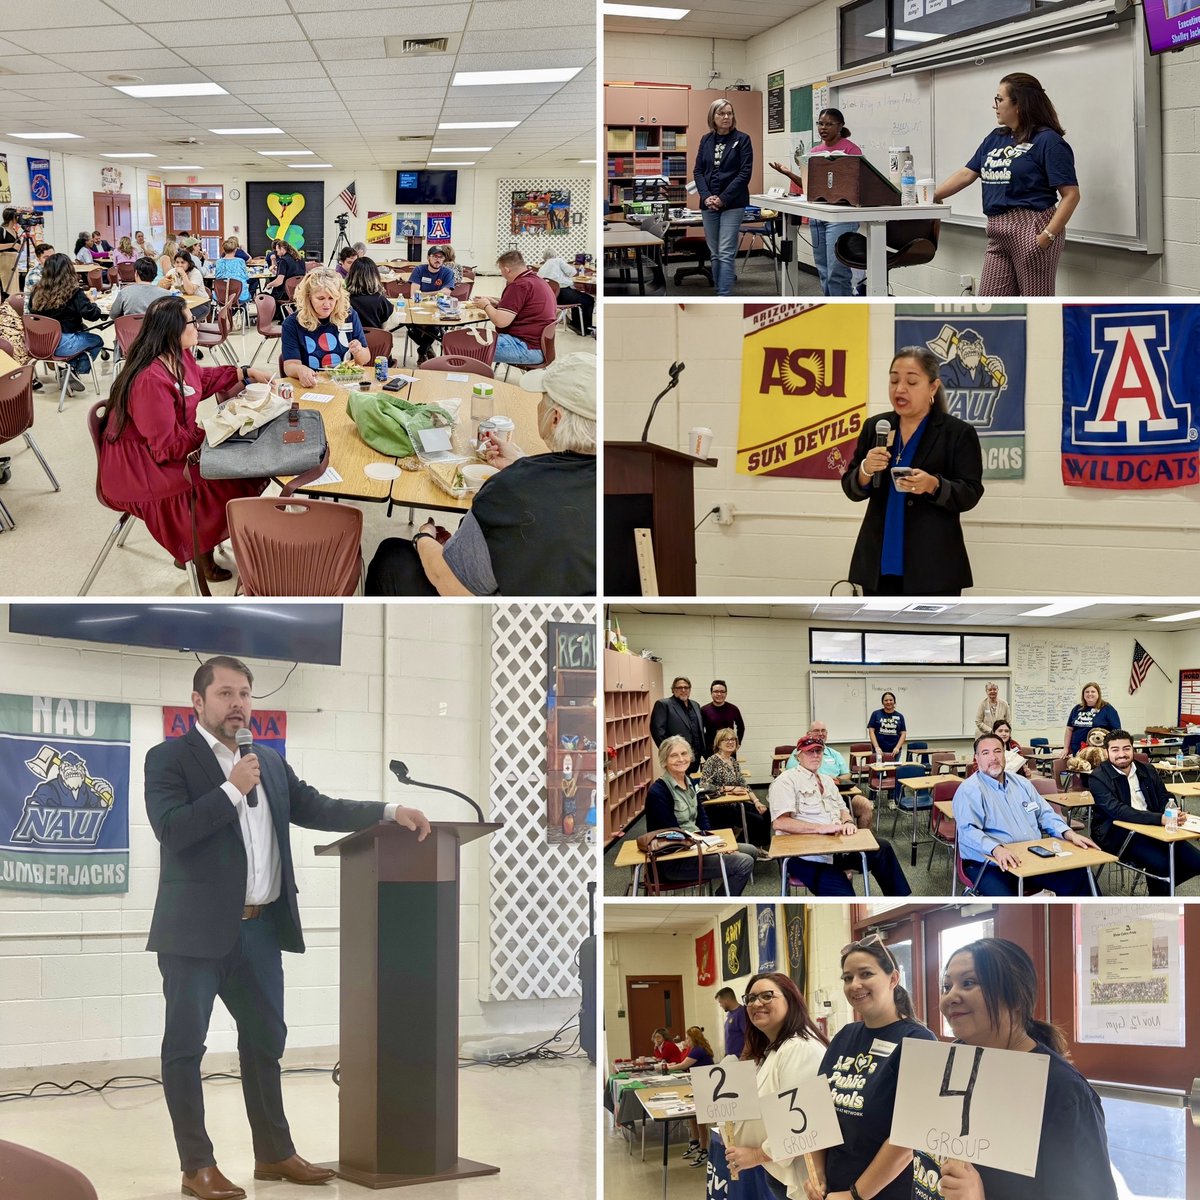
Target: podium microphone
674,370
400,770
245,741
882,428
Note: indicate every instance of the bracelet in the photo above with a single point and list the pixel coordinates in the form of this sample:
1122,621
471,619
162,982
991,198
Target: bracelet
422,533
854,1192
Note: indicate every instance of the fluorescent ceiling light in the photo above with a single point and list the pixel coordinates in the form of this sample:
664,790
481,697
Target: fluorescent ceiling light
285,153
478,124
906,35
132,155
1057,608
638,10
538,75
1183,616
193,167
886,605
452,163
44,137
145,90
307,166
585,160
459,149
255,129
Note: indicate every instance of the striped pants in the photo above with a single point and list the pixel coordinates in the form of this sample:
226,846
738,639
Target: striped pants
1014,264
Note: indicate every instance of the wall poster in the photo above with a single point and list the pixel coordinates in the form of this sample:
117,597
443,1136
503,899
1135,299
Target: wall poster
571,669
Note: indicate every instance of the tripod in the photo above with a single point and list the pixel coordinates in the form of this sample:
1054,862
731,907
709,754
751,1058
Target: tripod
26,245
341,240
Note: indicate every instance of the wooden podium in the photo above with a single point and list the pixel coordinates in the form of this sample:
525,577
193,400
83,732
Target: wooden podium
649,487
847,179
398,1113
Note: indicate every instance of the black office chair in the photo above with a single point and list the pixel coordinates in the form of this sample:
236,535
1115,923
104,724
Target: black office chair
909,244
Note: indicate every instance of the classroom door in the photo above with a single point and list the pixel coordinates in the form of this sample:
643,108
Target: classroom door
653,1001
112,214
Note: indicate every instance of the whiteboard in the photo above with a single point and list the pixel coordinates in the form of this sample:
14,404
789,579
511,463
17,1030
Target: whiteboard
934,706
947,113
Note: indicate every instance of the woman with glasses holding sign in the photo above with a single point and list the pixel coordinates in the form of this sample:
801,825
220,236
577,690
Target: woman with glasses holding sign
989,989
787,1047
863,1066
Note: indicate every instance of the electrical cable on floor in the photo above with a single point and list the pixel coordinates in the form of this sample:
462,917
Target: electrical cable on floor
538,1053
80,1087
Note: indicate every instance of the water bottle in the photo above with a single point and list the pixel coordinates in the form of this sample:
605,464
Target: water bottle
1179,757
908,179
1170,814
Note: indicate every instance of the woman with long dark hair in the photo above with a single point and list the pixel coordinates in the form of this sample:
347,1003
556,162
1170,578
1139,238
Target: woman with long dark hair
786,1046
918,469
59,295
863,1065
150,429
367,297
989,993
1030,190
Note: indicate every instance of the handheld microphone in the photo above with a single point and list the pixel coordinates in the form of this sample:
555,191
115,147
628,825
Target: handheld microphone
245,741
882,429
400,770
674,370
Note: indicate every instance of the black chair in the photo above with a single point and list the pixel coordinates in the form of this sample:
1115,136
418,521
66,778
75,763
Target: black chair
909,244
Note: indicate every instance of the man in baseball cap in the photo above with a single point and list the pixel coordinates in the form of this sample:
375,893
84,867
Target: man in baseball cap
531,530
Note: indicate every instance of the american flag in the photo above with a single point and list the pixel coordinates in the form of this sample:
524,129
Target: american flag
1142,662
349,197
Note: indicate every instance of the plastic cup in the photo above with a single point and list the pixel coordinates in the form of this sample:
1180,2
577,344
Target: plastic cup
700,439
925,190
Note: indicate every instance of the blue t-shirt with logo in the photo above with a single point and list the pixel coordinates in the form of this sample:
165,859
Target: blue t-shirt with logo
1023,176
888,728
323,347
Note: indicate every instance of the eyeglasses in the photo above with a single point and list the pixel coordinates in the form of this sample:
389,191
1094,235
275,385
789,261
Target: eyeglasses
997,100
760,997
863,943
682,687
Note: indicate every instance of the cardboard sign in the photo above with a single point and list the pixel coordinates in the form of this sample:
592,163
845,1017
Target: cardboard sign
801,1119
727,1091
957,1101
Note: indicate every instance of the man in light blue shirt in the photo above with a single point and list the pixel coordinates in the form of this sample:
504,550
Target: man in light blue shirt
992,809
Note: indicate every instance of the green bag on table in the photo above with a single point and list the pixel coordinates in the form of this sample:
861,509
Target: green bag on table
391,425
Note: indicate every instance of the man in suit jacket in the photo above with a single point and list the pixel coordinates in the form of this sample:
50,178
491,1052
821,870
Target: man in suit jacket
226,907
679,714
1125,790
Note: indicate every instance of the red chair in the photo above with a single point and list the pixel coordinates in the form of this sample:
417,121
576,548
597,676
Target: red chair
393,289
42,335
126,329
16,419
269,330
780,757
379,342
944,831
28,1173
311,265
17,303
126,273
96,280
222,290
454,362
214,335
466,344
547,340
462,291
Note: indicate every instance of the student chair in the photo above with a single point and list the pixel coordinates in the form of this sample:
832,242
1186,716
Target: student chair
470,343
16,420
910,802
379,342
269,330
126,273
917,751
462,291
879,783
860,755
226,290
943,830
456,362
29,1173
42,336
780,757
214,335
909,244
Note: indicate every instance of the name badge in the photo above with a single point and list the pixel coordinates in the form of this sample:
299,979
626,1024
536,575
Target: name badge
1029,805
882,1049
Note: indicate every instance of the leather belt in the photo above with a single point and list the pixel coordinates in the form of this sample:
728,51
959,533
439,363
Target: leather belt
252,912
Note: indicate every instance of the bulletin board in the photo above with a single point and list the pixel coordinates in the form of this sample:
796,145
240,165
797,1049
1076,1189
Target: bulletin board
1189,697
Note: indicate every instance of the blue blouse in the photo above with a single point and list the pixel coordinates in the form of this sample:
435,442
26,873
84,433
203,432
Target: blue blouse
892,562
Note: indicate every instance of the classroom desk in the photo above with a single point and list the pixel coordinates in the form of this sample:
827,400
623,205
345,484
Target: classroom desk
1032,867
741,801
1183,791
104,301
1158,833
1168,766
630,856
656,1111
874,219
8,363
626,237
785,846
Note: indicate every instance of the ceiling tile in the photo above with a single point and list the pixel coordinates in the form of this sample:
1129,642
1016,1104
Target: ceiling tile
52,41
142,11
431,20
216,34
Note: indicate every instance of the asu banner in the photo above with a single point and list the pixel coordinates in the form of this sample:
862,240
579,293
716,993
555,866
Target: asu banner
64,796
981,349
1131,396
379,228
804,388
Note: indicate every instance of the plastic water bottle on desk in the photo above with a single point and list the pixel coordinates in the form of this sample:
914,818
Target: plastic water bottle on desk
908,178
1179,757
1171,814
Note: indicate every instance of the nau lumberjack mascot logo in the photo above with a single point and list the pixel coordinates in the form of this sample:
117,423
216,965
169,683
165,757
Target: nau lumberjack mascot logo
973,379
67,806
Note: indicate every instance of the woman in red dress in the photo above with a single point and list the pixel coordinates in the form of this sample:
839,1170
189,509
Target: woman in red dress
150,429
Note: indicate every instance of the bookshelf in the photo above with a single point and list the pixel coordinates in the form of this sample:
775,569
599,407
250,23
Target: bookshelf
571,765
631,687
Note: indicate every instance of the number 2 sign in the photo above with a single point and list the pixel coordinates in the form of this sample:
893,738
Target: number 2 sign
727,1091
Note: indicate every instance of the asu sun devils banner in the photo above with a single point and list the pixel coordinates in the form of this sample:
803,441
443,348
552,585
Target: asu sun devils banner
64,796
804,388
981,349
1131,396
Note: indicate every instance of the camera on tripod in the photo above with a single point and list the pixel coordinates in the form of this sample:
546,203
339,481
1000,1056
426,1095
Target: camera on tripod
341,221
30,220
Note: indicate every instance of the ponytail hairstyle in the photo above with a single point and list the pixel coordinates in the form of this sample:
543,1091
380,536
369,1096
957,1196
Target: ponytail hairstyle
798,1022
836,114
1033,106
877,950
696,1036
1009,982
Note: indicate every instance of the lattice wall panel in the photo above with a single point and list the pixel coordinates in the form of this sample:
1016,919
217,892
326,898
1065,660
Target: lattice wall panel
578,237
538,890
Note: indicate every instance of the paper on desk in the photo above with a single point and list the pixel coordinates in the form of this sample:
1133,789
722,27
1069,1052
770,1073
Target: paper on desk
707,839
435,440
406,378
316,397
454,377
330,476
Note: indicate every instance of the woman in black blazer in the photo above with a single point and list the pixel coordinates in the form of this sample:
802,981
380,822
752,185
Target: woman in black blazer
911,542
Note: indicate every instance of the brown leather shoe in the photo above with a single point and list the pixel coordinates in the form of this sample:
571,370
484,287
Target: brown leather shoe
294,1170
209,1184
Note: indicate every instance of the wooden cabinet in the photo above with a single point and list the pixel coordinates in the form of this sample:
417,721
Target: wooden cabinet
645,105
631,686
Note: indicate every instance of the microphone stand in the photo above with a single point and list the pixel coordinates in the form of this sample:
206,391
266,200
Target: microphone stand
400,770
674,370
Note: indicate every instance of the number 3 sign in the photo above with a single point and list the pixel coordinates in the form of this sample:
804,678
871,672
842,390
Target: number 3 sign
727,1091
801,1119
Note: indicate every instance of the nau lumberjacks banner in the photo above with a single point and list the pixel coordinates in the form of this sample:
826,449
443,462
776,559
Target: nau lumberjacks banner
64,796
1130,395
981,348
804,388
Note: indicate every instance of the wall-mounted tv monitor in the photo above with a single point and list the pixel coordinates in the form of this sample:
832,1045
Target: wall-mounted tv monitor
310,633
1172,24
426,187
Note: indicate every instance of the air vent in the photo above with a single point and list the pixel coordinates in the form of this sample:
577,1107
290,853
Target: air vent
407,47
927,609
415,137
120,78
187,142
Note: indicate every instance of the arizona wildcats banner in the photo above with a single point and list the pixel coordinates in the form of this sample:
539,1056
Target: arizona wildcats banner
981,348
804,388
64,796
1131,397
269,725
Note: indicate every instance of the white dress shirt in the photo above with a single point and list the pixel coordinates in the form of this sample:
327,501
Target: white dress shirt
1136,799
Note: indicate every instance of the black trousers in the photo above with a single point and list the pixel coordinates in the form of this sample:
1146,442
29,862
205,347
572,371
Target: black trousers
826,879
396,571
1154,857
249,981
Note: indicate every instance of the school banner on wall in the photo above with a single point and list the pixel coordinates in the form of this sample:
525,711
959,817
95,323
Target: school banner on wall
981,348
437,228
1131,404
39,184
5,182
408,225
154,202
571,674
797,936
379,228
735,945
269,725
765,921
804,388
1189,696
706,959
64,796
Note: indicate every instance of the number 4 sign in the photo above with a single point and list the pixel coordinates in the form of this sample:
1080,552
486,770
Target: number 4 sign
727,1091
801,1119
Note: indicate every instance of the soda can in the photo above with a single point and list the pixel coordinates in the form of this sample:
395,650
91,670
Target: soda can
285,392
381,368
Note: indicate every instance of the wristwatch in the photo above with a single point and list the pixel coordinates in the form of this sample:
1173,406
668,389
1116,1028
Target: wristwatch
1052,236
